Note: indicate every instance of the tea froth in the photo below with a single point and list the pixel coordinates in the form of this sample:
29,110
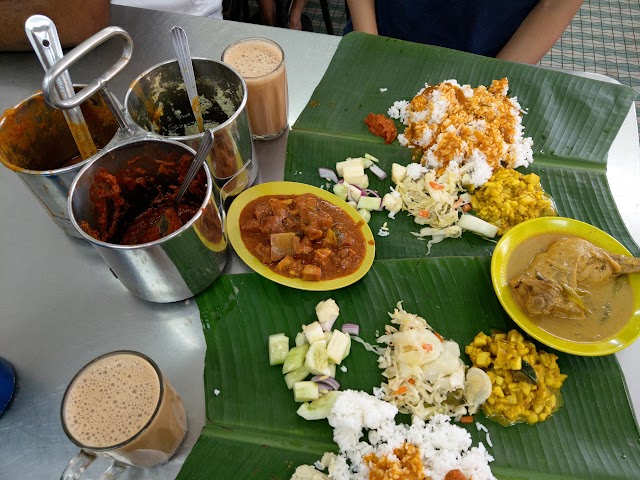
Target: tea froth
111,400
253,58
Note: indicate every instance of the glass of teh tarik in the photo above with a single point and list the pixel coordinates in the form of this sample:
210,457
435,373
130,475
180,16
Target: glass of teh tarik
260,61
122,407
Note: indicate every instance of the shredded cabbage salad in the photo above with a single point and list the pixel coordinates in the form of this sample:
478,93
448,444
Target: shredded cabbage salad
432,201
424,372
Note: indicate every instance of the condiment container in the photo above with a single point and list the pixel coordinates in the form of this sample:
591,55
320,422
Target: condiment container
157,102
176,266
36,143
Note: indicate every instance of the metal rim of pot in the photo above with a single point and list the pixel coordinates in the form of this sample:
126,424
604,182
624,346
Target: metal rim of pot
184,138
55,171
140,246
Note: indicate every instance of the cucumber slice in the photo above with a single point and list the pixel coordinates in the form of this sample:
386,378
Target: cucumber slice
337,348
355,193
320,408
295,376
361,181
313,331
305,391
341,190
365,214
332,370
278,348
371,157
316,360
369,203
301,339
348,350
398,172
295,358
349,162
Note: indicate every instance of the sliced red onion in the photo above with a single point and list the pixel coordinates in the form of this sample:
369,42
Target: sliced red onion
351,329
362,190
328,325
328,174
366,192
378,172
328,384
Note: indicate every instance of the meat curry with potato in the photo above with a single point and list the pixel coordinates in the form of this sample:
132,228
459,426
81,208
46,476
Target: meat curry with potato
302,236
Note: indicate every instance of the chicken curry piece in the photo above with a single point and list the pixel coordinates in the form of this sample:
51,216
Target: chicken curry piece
572,288
302,236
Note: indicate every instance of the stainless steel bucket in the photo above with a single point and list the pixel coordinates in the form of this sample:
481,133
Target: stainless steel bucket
171,268
157,101
178,265
36,143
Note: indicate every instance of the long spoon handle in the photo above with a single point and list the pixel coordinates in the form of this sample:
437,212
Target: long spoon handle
43,36
203,151
181,49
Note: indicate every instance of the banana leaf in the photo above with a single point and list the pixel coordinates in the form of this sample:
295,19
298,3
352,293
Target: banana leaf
253,430
572,120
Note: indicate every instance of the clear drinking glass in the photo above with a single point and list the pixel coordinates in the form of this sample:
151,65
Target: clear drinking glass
260,61
122,407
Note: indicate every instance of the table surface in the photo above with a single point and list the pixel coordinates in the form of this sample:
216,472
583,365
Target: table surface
61,306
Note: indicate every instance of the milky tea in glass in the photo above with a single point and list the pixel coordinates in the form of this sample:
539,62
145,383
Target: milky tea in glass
261,64
121,406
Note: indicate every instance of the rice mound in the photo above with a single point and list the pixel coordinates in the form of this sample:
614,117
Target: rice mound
458,126
443,446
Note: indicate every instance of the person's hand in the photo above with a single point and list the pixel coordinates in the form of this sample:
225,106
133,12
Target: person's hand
295,23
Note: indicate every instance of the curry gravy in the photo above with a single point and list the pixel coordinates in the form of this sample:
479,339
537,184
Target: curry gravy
610,303
302,236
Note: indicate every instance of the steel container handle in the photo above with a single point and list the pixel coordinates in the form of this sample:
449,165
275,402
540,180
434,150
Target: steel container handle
49,82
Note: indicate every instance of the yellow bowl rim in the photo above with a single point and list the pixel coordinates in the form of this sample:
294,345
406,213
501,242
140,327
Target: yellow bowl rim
294,188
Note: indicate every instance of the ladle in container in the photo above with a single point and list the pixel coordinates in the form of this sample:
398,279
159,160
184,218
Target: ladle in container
43,35
183,55
201,155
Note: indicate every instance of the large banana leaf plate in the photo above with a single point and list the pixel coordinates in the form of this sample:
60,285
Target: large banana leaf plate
253,430
572,120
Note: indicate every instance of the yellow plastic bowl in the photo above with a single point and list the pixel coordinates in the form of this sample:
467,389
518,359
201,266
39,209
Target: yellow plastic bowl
293,188
504,249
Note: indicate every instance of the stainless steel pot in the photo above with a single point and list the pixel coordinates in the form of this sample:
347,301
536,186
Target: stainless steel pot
157,101
174,267
36,143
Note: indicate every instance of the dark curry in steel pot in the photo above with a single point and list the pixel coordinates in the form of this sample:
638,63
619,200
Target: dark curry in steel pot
135,207
302,236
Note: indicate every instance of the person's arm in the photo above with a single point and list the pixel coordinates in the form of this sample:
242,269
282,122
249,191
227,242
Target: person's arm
268,12
295,17
363,16
540,30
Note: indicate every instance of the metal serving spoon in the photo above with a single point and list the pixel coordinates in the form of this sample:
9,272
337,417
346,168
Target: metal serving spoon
181,49
203,151
43,36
